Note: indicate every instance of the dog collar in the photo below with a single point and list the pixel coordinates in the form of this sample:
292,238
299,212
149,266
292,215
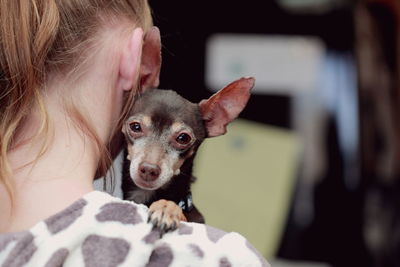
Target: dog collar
186,204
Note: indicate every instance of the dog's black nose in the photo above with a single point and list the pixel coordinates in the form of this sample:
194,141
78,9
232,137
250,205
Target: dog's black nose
149,172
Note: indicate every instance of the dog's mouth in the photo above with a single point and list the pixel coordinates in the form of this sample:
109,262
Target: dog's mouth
147,185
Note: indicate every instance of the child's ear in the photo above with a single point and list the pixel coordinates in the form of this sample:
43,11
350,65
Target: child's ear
151,60
225,105
130,60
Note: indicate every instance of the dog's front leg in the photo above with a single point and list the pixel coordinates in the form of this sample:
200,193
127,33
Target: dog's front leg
165,215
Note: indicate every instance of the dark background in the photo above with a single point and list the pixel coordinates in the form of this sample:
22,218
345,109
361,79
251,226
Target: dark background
186,25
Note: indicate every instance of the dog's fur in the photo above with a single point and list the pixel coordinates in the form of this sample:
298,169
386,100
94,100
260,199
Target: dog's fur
163,132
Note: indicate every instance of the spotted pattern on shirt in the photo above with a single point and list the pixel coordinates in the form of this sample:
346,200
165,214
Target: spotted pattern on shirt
7,239
100,251
60,221
152,237
119,212
185,229
196,250
214,234
224,262
100,230
58,258
22,251
161,256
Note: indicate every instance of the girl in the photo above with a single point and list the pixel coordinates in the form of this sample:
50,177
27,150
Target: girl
69,70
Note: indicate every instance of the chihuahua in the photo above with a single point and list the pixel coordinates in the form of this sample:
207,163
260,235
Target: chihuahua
163,132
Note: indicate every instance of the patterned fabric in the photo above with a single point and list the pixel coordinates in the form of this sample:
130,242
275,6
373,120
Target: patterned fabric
102,231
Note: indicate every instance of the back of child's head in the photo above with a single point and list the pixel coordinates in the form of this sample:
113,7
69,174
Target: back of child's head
39,38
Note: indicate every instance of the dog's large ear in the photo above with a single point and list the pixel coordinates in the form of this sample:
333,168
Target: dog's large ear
225,105
151,60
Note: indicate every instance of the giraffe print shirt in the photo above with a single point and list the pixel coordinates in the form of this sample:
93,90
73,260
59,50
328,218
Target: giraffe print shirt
101,230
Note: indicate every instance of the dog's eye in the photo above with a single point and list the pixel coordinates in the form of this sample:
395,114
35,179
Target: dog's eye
136,127
183,139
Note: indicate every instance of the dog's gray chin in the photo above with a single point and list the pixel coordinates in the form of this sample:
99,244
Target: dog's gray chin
145,185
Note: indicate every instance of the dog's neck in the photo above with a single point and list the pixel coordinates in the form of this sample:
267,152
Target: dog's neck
139,195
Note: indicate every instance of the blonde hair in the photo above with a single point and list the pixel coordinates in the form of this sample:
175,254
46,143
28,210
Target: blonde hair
39,36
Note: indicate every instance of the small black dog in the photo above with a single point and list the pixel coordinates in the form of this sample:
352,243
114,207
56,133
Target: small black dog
163,132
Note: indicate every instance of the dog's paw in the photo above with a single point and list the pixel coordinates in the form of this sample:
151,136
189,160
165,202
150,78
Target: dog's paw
165,215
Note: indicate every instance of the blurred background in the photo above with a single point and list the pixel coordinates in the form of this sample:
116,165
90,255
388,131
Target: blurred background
310,171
